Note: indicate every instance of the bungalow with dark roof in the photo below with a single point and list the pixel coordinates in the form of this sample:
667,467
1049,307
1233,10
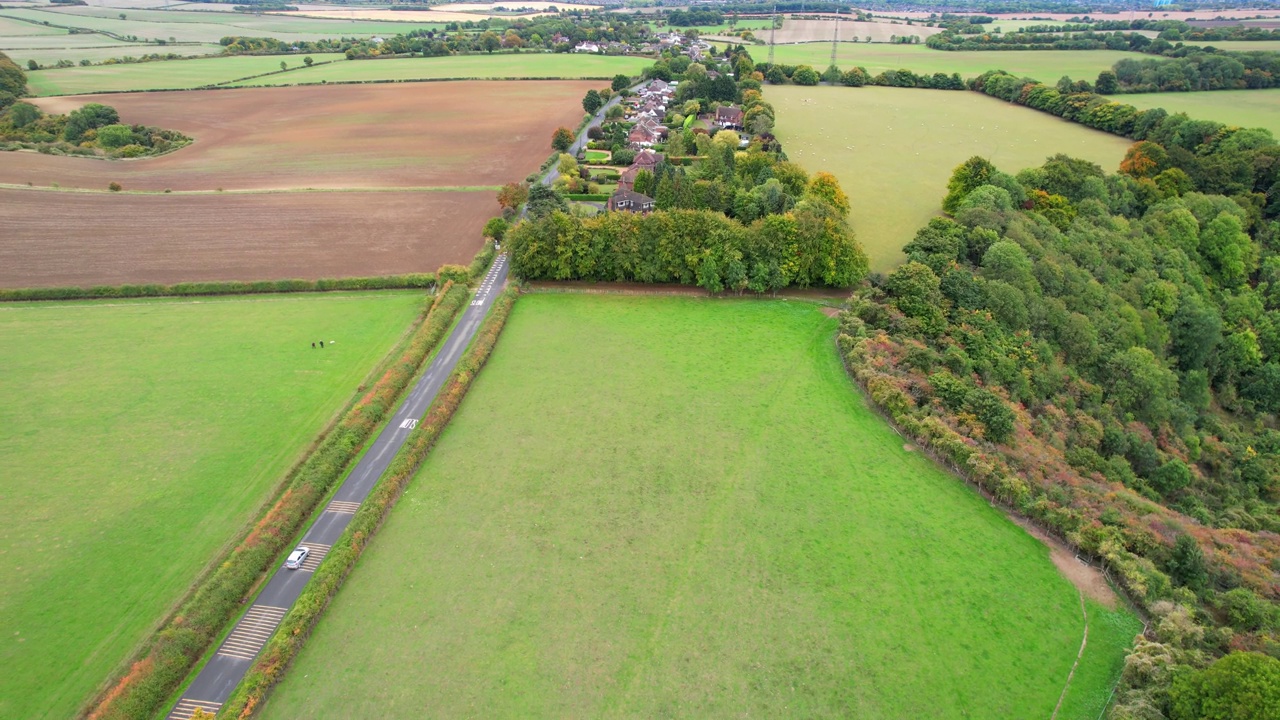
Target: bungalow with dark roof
630,201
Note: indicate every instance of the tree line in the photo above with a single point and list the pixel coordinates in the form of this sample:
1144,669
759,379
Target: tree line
94,129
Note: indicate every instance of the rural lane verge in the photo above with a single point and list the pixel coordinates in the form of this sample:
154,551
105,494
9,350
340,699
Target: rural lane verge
220,676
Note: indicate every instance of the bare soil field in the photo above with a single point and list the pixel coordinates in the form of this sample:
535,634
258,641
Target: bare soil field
75,238
442,134
1150,14
452,12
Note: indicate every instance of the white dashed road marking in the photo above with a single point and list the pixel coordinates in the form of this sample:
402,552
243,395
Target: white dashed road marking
312,562
186,708
342,507
252,632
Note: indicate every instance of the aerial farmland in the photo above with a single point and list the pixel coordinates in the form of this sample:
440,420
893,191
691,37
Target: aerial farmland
570,360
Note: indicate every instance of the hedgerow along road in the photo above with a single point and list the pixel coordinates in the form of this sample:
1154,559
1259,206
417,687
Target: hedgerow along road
219,678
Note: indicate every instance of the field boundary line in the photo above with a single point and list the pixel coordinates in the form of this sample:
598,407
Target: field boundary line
251,191
1083,642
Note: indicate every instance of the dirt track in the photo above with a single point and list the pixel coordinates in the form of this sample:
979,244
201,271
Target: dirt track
343,136
53,238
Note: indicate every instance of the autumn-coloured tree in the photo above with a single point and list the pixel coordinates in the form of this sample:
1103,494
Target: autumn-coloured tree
562,139
512,195
825,187
1144,159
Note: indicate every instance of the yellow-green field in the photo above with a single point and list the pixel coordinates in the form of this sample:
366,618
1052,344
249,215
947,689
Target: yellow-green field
139,437
163,75
1046,66
523,65
894,149
1246,108
683,508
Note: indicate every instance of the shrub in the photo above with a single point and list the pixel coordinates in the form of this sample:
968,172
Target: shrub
115,187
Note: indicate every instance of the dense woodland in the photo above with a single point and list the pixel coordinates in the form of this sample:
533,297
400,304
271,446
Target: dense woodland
1102,352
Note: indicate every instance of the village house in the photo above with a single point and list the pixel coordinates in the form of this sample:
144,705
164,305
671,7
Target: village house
728,117
630,201
586,47
647,160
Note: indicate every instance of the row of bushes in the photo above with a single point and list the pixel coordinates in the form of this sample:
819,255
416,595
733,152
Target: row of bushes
189,632
298,624
232,287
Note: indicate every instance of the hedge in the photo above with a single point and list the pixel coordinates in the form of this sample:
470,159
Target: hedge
590,197
231,287
180,642
293,632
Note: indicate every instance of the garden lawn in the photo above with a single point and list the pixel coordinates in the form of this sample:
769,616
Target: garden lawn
1044,65
504,65
679,507
1246,108
893,149
140,437
162,75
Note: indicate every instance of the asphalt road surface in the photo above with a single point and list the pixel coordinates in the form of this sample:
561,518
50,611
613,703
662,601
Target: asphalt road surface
223,673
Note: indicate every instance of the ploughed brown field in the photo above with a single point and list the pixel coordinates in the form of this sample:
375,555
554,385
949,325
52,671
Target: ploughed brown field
389,138
55,239
345,136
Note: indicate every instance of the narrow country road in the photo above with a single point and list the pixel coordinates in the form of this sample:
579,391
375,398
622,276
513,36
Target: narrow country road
216,681
581,141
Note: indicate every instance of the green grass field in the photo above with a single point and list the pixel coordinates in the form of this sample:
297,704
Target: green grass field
523,65
1046,66
163,75
1246,108
140,437
677,507
893,149
47,57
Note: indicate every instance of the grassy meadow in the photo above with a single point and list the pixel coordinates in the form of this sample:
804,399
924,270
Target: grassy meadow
893,149
678,507
1246,108
140,436
201,72
163,75
507,65
1046,66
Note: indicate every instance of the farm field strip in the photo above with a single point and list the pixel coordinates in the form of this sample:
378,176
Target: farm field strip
54,239
162,75
893,149
648,504
1246,108
239,71
173,421
507,65
1046,65
210,27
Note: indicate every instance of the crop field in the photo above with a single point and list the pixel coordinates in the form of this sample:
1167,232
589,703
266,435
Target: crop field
450,12
140,436
893,149
201,72
1241,45
660,507
1046,66
99,49
281,182
1246,108
455,134
804,31
209,27
506,65
162,75
70,238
